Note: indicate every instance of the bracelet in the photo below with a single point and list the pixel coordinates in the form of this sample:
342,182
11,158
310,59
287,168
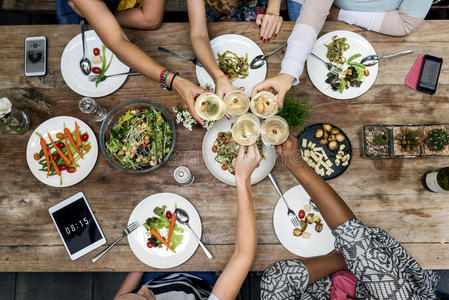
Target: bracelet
160,75
171,83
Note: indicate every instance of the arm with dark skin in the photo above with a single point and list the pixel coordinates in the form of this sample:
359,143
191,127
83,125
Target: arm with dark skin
332,208
112,35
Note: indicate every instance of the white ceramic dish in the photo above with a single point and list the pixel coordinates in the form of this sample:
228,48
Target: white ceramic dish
159,257
319,243
317,70
240,45
75,78
223,125
53,126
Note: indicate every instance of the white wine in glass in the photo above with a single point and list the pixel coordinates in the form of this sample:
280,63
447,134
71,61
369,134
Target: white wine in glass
264,104
210,107
237,103
274,130
246,130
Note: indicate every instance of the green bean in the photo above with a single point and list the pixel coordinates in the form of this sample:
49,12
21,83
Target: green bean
353,57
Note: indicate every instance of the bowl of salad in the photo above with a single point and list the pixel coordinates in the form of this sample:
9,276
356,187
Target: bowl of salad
137,136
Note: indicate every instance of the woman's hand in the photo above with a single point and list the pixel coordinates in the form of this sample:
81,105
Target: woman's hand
280,83
246,162
289,153
188,92
270,25
223,86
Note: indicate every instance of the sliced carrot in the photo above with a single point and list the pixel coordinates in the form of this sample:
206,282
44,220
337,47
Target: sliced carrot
170,231
64,157
56,169
70,137
79,142
45,150
160,238
68,149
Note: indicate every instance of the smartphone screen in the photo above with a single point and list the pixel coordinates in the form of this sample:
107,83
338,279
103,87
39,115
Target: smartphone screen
430,72
35,56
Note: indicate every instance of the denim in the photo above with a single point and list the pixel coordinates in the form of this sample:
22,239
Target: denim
65,14
294,8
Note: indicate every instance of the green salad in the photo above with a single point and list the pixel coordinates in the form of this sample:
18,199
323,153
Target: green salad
140,139
161,223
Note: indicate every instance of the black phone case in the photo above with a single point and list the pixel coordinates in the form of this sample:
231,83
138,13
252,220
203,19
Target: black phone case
426,90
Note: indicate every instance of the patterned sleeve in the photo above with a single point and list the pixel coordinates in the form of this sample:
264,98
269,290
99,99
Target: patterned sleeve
213,297
381,265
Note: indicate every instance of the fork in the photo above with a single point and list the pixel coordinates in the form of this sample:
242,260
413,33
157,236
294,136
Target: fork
293,218
128,229
329,66
94,77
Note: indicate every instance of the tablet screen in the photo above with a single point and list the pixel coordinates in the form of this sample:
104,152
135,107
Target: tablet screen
77,225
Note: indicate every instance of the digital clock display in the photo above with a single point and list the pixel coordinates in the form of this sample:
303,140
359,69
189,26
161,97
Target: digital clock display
77,226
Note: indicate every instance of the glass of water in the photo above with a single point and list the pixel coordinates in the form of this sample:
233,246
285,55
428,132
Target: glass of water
13,120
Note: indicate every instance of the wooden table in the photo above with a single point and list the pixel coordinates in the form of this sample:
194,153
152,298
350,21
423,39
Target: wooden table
384,192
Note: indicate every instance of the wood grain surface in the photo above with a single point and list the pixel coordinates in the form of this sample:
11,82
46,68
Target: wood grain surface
386,192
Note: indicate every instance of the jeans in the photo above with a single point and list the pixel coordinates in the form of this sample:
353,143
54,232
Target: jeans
65,14
294,8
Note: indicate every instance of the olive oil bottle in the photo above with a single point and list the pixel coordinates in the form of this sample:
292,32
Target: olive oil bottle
436,181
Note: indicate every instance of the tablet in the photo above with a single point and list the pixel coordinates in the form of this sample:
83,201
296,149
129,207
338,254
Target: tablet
77,226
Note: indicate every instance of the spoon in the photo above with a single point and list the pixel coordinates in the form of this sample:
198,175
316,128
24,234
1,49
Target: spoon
259,60
183,218
371,60
84,62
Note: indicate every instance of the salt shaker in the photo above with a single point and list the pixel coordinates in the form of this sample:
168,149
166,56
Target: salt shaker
93,109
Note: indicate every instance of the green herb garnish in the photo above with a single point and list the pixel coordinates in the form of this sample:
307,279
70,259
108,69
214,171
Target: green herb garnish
104,68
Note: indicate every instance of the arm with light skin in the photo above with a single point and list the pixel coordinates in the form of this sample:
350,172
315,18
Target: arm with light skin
131,282
199,39
149,16
270,23
235,272
112,35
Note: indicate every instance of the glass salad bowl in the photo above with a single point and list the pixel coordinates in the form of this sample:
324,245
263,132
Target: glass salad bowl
137,136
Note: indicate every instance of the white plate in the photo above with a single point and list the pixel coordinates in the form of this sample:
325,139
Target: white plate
53,126
318,244
317,70
240,45
159,257
75,78
266,165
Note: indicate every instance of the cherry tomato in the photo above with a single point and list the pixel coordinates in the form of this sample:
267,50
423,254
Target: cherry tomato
62,167
150,245
301,214
221,134
37,156
71,169
55,156
168,214
214,149
366,72
96,51
86,147
60,135
96,70
84,137
224,167
60,145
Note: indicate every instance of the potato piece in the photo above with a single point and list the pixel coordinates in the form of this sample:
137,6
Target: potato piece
303,225
335,131
297,232
332,137
319,133
340,137
326,136
306,235
309,218
319,227
324,142
333,145
316,219
327,127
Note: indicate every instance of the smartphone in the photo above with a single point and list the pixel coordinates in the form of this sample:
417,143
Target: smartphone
429,74
35,56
